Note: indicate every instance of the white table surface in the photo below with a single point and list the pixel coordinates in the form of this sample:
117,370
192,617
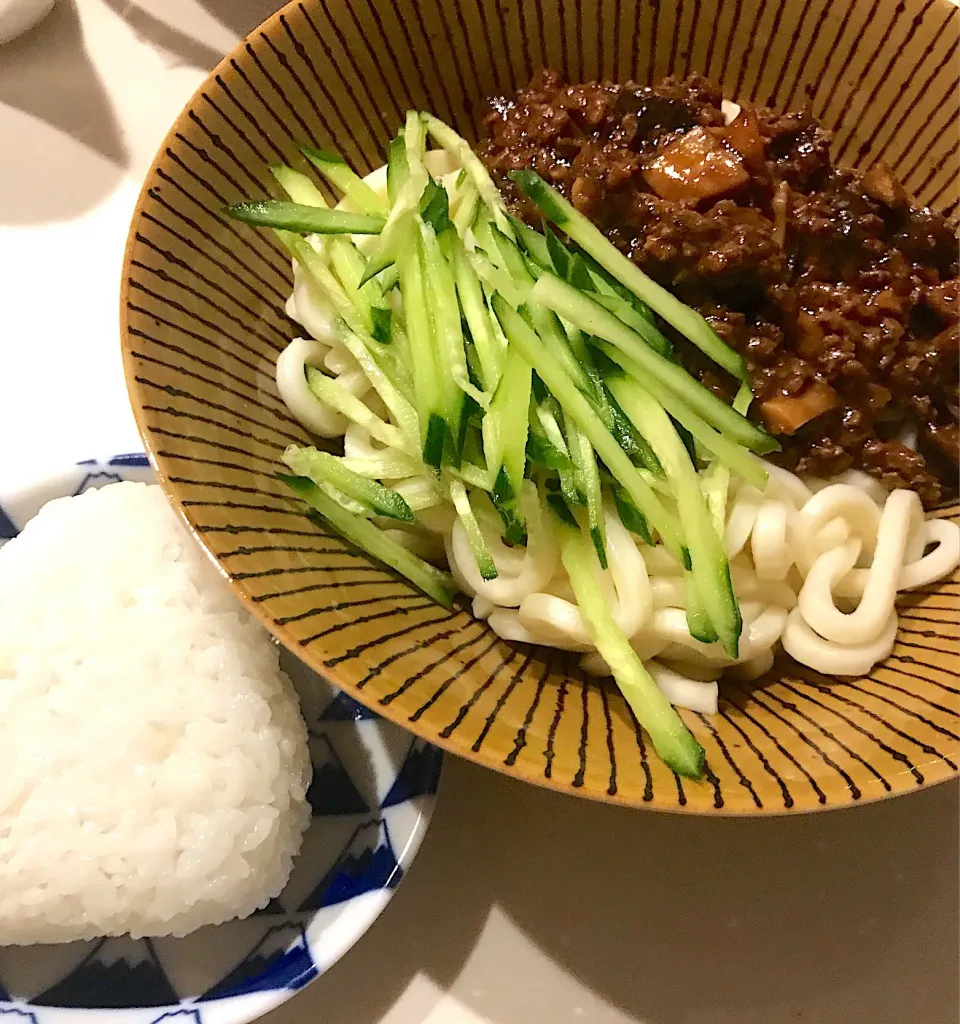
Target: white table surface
523,907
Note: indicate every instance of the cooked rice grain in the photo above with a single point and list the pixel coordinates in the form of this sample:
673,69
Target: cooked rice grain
153,761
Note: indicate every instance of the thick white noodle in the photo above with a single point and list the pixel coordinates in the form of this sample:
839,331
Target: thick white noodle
312,310
831,658
683,691
678,688
631,603
770,543
537,567
740,522
943,558
292,384
901,514
836,501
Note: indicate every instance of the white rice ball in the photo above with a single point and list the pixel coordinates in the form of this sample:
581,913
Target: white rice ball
153,761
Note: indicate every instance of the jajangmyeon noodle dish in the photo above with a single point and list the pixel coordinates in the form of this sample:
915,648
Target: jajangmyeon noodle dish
644,376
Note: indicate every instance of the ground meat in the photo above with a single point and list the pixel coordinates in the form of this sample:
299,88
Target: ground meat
843,298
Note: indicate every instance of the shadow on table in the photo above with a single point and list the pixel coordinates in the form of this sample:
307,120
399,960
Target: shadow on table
48,75
848,916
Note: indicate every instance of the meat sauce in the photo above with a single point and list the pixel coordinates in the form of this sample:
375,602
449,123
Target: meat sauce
842,296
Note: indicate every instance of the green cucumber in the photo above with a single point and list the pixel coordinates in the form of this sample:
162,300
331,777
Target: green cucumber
587,314
624,311
371,539
708,558
398,170
671,738
478,546
631,517
339,173
353,333
477,315
588,479
505,428
698,620
415,178
337,397
428,393
459,148
298,186
731,454
304,220
534,244
575,405
323,468
445,307
686,320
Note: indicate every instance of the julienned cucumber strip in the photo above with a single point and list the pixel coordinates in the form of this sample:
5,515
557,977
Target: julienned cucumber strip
708,558
346,259
686,320
397,169
671,738
459,148
698,621
624,311
322,468
298,186
478,546
411,169
505,428
477,315
339,173
335,395
588,477
304,220
446,314
534,244
581,310
574,405
426,378
731,454
631,517
356,339
369,538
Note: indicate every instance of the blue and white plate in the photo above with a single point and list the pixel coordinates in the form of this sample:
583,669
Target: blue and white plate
372,797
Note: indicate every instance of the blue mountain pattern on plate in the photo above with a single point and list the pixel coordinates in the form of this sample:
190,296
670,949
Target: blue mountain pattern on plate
419,774
332,791
117,974
7,528
343,708
281,959
368,863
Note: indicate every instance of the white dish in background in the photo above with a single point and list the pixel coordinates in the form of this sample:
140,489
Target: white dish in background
373,795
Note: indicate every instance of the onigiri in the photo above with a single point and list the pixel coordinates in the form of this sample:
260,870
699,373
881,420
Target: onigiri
153,760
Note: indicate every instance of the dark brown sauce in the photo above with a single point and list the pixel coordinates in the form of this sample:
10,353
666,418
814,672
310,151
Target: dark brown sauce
842,296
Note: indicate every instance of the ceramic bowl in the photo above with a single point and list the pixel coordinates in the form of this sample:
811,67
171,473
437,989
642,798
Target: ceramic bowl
372,798
203,321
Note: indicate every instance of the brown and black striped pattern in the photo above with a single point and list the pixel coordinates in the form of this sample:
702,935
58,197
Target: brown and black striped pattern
203,323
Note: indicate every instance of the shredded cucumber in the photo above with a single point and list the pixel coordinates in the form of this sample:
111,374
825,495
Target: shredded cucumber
671,738
371,539
339,173
686,320
323,468
575,405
